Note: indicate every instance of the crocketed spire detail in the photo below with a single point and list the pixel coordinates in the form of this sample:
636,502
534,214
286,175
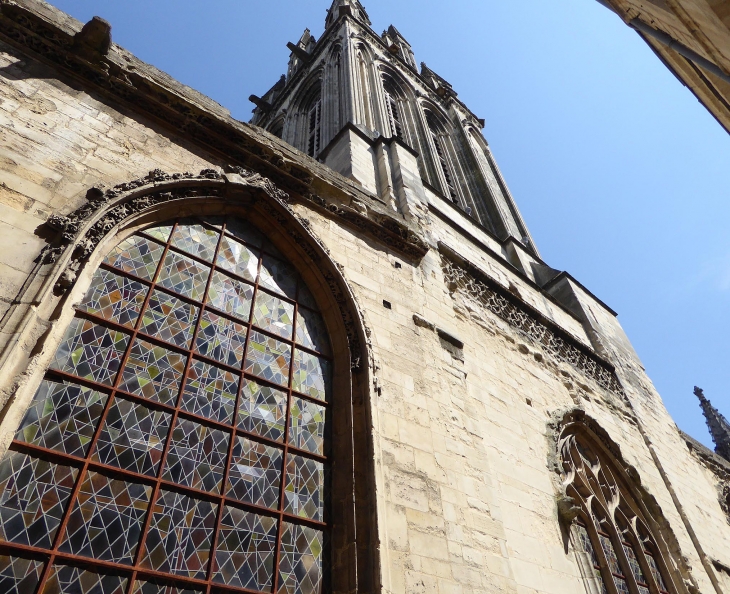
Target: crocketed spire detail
718,425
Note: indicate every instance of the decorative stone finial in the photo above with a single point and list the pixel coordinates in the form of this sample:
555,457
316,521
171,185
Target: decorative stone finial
717,424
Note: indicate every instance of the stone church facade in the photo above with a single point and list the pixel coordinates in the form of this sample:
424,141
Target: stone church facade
318,353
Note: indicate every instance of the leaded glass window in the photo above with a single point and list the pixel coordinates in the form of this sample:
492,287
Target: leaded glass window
611,533
178,442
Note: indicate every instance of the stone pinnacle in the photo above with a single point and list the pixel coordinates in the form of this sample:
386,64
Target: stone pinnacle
717,424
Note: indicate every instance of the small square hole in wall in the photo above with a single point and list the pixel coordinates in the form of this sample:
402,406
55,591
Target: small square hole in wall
387,305
398,264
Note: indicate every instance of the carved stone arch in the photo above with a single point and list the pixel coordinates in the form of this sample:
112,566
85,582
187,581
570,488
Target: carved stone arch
365,87
590,470
308,93
447,173
109,217
400,109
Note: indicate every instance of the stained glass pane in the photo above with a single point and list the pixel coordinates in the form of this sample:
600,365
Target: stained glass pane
311,375
273,314
113,297
262,410
196,240
62,417
586,544
72,580
255,473
230,296
311,331
300,561
238,259
644,590
132,438
245,554
306,298
654,568
621,585
170,319
106,521
610,554
180,535
279,277
91,351
150,588
304,488
19,576
33,496
197,456
210,392
153,372
136,255
245,232
220,339
162,233
307,425
268,358
634,564
184,275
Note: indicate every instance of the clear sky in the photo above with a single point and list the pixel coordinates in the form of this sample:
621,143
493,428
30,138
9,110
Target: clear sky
621,175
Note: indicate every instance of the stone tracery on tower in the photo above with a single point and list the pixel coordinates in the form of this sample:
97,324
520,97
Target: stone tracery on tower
377,112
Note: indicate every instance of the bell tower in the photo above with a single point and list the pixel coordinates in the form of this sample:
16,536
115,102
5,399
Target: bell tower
358,102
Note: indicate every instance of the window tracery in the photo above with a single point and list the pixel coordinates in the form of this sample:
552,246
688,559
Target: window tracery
615,546
181,430
314,128
443,159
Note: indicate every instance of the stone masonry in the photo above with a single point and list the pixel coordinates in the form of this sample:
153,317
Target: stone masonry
467,350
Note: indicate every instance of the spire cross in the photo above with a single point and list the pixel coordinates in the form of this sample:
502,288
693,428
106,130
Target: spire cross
717,424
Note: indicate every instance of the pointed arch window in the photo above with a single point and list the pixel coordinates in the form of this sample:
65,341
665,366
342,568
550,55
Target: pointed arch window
314,128
442,158
394,115
616,549
179,440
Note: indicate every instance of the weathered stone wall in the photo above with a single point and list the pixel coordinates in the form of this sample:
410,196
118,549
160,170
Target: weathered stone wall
467,497
57,142
463,438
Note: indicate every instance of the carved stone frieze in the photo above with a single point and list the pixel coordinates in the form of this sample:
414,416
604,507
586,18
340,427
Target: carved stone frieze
513,311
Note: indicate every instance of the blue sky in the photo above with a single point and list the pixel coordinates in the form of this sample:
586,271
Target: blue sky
620,173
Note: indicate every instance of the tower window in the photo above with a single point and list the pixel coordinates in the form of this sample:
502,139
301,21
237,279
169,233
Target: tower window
179,433
444,164
394,116
314,129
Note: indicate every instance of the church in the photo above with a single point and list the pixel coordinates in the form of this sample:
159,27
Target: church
319,353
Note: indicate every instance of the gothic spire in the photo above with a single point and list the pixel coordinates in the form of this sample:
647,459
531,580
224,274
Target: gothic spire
718,425
351,7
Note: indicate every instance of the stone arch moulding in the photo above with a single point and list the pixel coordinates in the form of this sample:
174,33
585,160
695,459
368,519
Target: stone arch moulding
577,431
108,217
